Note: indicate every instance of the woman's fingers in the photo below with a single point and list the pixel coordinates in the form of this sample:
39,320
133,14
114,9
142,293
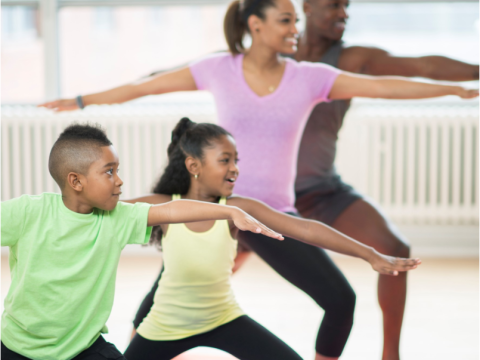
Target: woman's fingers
60,105
470,93
50,104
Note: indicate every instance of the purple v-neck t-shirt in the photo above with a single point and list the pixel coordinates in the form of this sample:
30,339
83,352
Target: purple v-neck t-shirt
267,129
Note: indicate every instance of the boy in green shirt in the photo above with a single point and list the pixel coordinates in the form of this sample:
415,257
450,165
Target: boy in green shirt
64,250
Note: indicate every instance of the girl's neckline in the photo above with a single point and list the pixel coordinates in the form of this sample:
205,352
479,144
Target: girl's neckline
239,64
200,232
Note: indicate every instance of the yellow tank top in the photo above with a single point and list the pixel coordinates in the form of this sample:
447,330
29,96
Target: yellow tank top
194,294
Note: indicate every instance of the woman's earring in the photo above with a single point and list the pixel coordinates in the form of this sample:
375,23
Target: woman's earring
196,176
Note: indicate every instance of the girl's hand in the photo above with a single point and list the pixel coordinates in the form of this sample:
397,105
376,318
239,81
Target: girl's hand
468,93
61,105
389,265
245,222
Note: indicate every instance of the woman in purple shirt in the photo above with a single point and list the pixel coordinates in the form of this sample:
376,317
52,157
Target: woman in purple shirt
264,100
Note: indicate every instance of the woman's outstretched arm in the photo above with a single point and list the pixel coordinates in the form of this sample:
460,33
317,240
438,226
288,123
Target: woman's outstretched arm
349,85
318,234
167,82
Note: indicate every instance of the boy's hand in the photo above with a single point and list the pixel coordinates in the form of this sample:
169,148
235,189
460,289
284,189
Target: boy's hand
61,105
245,222
389,265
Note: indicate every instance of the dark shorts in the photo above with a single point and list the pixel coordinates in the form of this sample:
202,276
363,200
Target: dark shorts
100,350
326,205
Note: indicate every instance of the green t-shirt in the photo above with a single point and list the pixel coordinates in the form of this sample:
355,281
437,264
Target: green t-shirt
63,266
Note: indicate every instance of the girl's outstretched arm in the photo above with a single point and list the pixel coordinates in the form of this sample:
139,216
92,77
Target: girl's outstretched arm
171,81
348,85
318,234
183,211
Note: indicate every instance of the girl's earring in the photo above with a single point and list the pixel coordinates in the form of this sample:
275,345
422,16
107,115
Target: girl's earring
196,176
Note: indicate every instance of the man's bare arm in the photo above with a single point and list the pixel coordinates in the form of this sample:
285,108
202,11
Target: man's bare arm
374,61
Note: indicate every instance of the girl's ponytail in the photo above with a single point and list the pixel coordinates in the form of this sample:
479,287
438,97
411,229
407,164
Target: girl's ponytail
181,128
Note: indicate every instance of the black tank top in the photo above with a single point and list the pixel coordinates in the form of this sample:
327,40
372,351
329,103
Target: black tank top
315,168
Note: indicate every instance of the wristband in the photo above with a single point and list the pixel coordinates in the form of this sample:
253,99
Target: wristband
79,102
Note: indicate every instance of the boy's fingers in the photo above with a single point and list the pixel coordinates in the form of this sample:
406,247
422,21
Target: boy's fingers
269,232
257,227
272,234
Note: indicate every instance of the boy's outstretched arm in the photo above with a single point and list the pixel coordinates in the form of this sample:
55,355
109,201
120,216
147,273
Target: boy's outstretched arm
183,211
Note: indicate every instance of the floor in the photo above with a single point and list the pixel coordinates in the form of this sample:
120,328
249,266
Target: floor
441,319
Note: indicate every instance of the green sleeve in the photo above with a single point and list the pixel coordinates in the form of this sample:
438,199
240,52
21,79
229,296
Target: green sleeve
131,223
13,219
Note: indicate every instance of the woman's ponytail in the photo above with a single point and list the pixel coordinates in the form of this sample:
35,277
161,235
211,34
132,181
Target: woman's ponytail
235,24
234,27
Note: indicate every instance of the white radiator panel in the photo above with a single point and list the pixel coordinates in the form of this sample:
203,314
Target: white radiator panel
140,134
419,161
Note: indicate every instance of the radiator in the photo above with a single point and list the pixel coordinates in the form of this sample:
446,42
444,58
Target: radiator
419,161
139,133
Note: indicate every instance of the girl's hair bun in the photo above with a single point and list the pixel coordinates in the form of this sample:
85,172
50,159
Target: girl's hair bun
181,128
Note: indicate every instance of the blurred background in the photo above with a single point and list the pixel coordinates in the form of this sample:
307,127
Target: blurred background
417,159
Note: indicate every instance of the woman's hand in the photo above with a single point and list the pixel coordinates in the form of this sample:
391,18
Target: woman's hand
61,105
245,222
389,265
467,93
177,80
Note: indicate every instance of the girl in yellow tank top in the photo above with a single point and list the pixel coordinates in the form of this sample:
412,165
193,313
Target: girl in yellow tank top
194,295
194,304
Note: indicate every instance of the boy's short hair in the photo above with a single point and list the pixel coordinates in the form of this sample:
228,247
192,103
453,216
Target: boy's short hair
77,147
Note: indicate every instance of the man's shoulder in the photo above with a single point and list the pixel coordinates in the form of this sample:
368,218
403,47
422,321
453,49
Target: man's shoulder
355,58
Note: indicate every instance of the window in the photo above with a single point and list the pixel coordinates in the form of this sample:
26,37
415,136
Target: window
105,47
415,29
22,55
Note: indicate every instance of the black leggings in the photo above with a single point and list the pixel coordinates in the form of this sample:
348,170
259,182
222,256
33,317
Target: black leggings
310,269
243,337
